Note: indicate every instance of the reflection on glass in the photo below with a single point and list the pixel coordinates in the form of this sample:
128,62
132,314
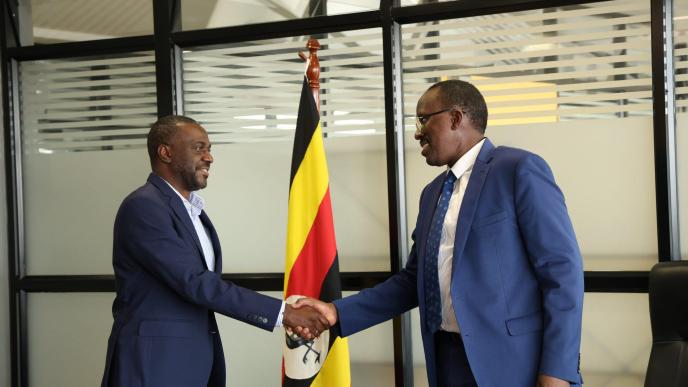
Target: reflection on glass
58,21
84,123
200,14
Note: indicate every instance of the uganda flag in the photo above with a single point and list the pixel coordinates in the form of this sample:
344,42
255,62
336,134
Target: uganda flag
312,267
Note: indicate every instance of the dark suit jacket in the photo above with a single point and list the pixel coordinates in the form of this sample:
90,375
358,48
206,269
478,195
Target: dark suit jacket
517,278
164,331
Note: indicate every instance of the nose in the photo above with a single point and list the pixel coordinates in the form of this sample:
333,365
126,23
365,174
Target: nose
418,135
208,157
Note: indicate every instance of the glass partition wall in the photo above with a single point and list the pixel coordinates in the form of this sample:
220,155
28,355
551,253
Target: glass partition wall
581,83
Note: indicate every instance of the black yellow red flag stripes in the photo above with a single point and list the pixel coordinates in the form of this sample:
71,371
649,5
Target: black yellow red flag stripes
312,266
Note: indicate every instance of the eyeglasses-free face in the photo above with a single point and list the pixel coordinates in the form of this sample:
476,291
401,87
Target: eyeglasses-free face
422,120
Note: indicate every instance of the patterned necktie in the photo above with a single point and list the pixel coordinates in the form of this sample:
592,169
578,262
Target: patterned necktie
433,305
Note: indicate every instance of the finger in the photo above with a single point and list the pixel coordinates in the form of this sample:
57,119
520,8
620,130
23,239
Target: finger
325,321
319,326
303,302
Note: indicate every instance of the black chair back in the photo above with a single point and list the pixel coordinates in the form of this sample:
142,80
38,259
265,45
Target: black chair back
668,291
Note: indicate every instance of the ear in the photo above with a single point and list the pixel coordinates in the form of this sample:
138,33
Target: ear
164,153
456,118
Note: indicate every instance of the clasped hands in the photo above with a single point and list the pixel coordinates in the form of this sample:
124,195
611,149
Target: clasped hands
309,317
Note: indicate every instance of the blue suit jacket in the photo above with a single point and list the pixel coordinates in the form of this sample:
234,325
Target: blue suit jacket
164,331
517,278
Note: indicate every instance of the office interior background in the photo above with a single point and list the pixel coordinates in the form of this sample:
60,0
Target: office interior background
598,88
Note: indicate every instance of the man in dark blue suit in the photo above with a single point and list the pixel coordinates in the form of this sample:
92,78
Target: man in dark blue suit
495,267
168,265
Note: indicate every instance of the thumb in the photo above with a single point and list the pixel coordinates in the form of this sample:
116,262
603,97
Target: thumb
304,301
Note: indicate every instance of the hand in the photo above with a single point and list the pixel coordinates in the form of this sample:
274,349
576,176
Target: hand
550,381
326,309
307,322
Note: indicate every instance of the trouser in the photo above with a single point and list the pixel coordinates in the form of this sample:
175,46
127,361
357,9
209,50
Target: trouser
453,369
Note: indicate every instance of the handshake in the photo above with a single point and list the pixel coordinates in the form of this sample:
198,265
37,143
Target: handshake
308,317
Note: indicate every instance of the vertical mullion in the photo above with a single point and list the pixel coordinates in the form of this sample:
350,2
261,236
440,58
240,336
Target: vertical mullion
10,31
661,137
396,186
10,100
672,168
15,215
166,19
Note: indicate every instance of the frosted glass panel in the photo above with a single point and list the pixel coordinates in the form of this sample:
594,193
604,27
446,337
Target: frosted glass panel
615,345
83,132
249,91
558,85
247,96
68,336
597,177
682,179
70,203
247,201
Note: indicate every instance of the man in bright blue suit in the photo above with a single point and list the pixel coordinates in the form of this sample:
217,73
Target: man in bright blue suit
495,267
168,264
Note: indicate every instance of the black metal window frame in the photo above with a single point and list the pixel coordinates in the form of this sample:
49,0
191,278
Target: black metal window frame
167,42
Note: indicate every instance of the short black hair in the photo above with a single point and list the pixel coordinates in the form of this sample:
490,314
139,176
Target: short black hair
465,95
163,131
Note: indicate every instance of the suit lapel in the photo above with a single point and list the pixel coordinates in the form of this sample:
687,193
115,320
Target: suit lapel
470,201
179,210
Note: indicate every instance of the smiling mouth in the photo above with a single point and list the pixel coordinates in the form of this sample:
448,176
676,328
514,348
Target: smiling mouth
205,171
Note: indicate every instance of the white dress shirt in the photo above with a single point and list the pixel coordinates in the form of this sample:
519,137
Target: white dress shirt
462,170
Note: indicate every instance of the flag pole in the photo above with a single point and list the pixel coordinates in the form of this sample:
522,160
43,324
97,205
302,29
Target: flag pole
313,70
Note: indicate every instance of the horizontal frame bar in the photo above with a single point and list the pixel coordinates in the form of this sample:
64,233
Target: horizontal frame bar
255,281
81,49
467,8
279,29
616,281
595,282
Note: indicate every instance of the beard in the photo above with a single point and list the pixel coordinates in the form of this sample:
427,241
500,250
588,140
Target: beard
189,177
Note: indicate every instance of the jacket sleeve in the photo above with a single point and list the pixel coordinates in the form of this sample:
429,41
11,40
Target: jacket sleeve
554,255
150,235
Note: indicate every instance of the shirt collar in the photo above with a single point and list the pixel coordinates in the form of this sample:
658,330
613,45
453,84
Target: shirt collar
195,203
465,163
